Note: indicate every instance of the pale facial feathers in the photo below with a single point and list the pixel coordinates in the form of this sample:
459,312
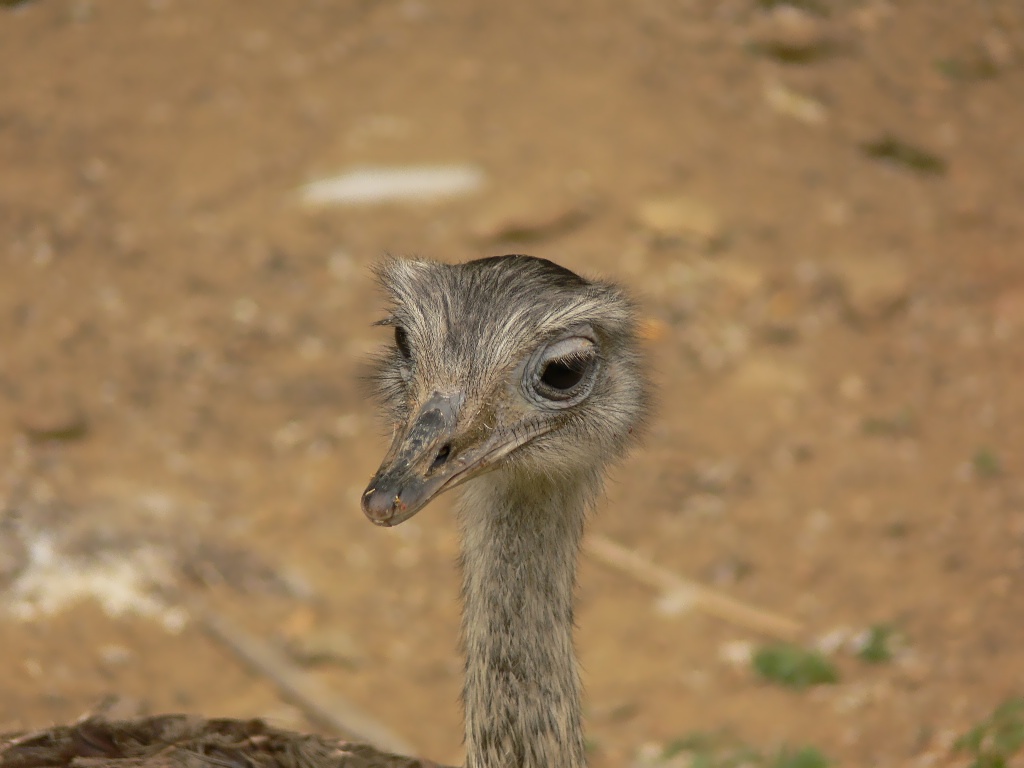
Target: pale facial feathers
470,330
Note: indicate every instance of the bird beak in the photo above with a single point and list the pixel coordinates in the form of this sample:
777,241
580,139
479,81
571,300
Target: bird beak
423,462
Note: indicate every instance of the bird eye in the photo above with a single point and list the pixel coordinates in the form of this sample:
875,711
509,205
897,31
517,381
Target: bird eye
566,373
562,373
402,342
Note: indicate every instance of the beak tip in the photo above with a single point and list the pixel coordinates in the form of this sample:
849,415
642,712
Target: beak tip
379,506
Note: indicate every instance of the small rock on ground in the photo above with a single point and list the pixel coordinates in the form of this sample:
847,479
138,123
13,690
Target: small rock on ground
872,287
681,218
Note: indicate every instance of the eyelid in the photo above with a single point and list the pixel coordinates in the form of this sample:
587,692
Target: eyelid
572,356
572,347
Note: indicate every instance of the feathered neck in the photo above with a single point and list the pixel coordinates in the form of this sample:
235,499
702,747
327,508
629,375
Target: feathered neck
521,540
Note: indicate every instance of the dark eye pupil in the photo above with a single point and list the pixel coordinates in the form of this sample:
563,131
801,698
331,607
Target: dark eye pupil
402,342
565,373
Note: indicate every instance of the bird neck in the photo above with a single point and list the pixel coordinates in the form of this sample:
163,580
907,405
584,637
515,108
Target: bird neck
521,541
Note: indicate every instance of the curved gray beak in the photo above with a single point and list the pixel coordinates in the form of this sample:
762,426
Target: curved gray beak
420,464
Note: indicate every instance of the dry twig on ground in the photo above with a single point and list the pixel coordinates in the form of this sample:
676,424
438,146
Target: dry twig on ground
702,598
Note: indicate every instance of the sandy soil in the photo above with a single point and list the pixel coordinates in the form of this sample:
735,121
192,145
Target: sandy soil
819,207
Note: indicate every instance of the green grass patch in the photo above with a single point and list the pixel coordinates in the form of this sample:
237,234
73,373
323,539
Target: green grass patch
900,424
986,463
794,667
878,645
721,750
902,153
710,750
995,741
803,757
817,7
964,68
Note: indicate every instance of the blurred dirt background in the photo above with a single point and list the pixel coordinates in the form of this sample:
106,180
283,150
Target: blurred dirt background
820,205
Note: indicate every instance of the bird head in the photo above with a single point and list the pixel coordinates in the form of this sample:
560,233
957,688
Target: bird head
509,363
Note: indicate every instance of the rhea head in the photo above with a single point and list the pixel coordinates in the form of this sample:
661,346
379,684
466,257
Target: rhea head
510,364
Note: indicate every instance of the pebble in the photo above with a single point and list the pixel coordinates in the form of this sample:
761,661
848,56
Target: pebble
245,310
94,171
852,388
791,103
834,640
763,374
53,419
872,287
379,185
742,279
530,220
14,556
120,707
727,571
781,317
1008,313
675,603
681,218
794,35
286,716
312,348
704,505
716,476
115,655
999,50
341,266
330,645
717,346
736,653
652,755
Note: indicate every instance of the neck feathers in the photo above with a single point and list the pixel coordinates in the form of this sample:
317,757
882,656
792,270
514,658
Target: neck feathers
522,691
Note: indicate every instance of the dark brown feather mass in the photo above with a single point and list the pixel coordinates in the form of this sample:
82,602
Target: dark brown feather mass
184,741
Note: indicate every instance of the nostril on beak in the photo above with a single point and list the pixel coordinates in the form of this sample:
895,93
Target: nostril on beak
442,456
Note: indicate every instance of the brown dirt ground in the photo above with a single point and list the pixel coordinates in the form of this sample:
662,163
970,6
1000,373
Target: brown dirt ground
837,336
